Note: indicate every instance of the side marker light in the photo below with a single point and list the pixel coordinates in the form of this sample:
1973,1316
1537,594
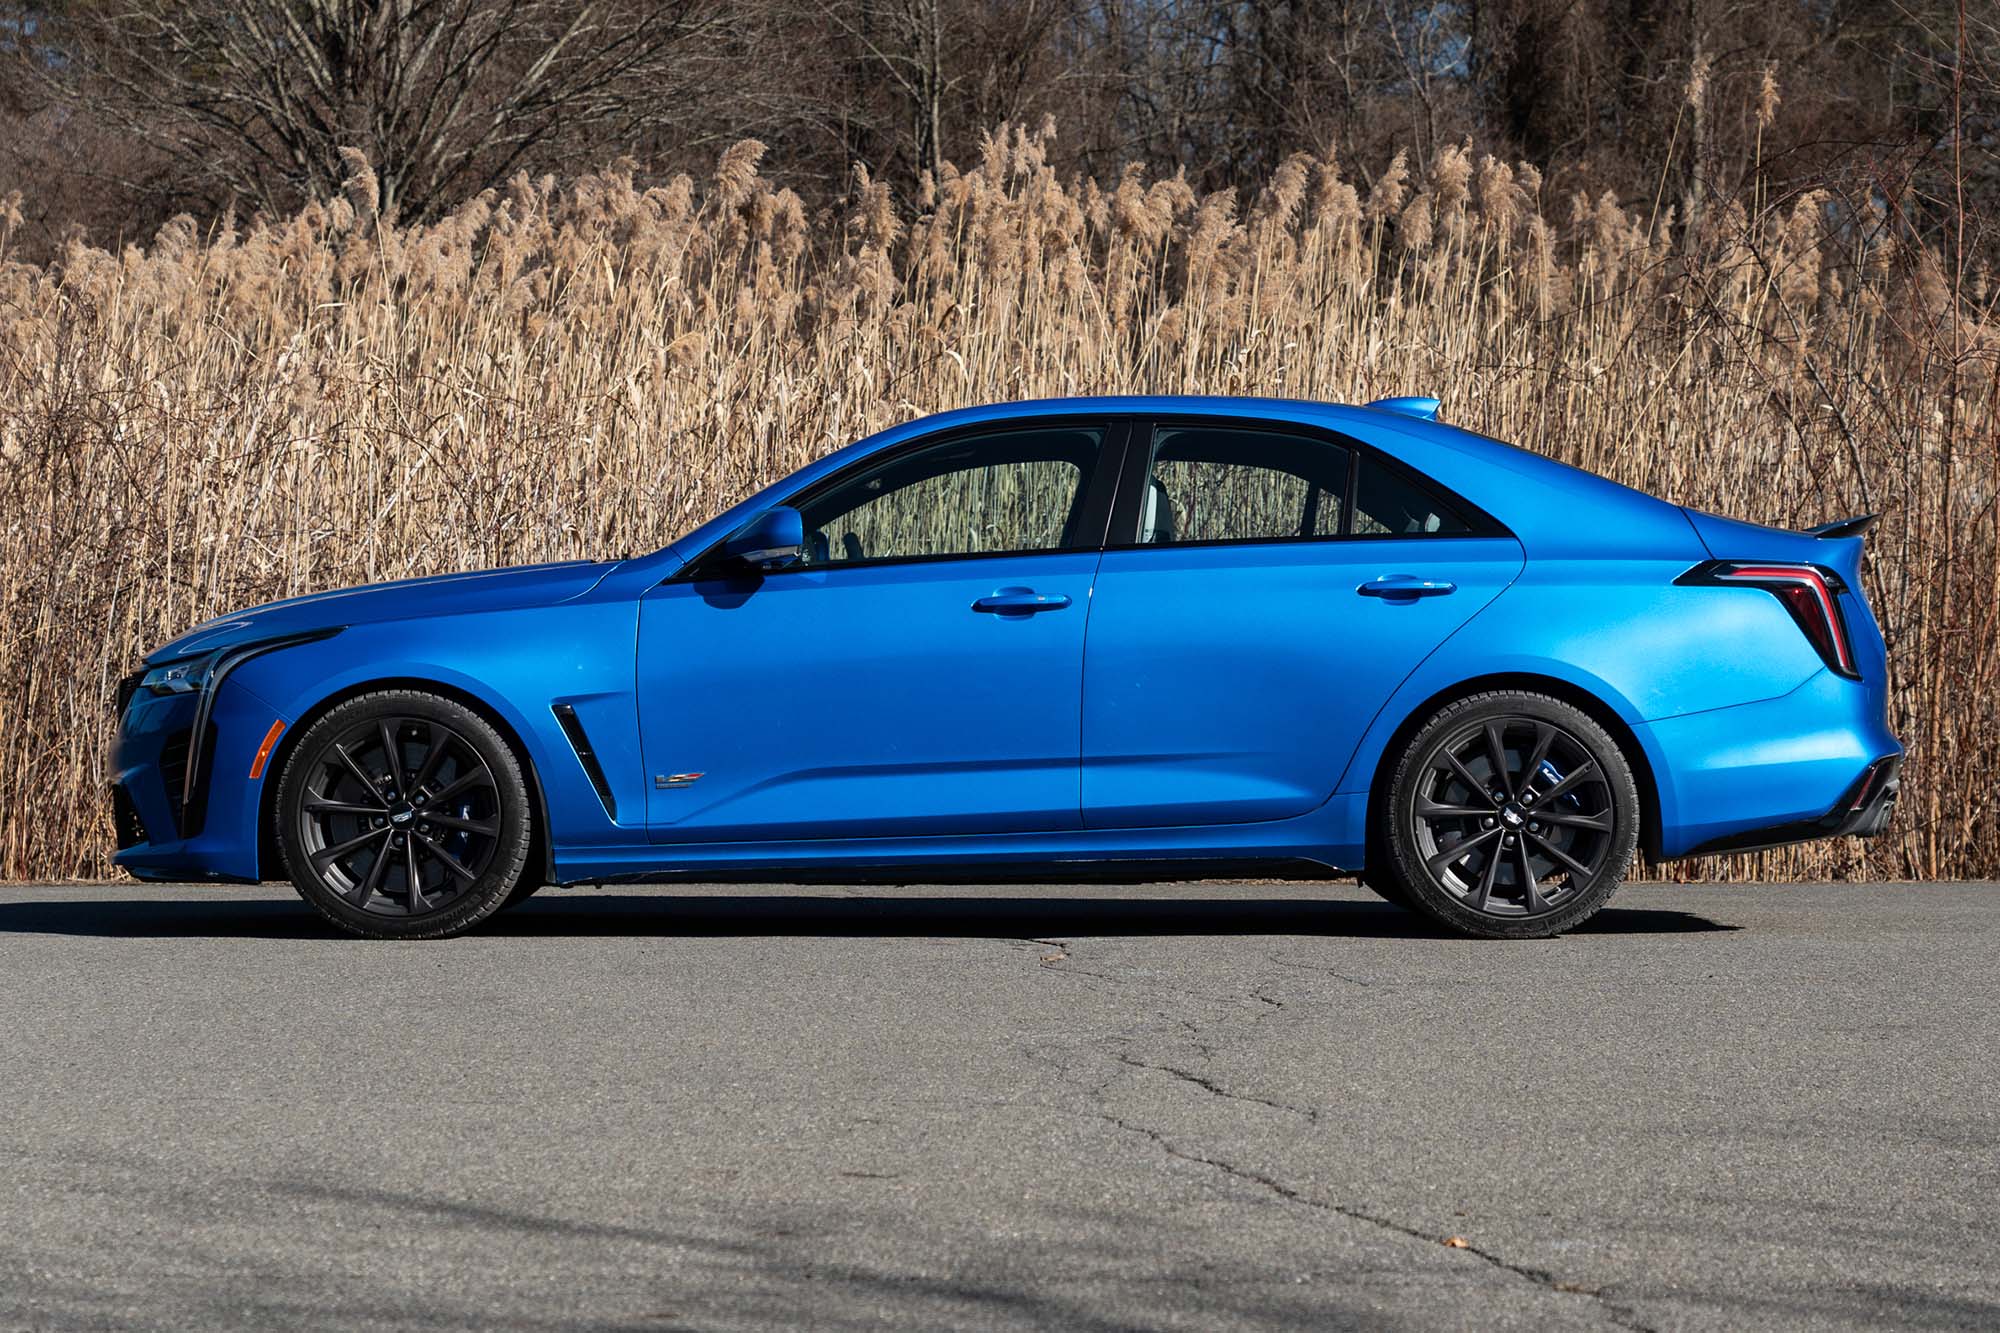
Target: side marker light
264,750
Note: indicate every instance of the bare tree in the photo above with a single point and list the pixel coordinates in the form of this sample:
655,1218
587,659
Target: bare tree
913,83
905,40
115,114
258,97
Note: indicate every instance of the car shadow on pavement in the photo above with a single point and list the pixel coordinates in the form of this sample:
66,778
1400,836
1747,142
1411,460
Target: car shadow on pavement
581,912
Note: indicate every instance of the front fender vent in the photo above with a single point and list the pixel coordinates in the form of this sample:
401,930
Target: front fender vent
579,740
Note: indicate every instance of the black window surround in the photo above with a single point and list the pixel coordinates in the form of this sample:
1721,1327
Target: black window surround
1129,506
1094,494
1114,493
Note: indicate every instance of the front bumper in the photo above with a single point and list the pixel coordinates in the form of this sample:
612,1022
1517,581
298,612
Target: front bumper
187,769
213,833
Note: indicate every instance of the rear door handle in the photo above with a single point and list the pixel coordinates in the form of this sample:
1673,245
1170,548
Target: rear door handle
1405,585
1020,601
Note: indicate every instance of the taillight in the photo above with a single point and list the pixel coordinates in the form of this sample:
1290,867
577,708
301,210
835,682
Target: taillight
1809,592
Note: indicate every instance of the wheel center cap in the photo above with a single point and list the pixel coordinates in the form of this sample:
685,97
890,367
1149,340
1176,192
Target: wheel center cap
1511,816
402,814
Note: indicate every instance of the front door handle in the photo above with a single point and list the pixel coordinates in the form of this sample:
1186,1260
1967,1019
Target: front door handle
1020,601
1405,585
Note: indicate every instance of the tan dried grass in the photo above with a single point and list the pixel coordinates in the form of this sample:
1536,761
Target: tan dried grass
557,371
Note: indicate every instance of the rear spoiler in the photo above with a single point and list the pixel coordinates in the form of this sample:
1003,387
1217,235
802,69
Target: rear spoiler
1845,527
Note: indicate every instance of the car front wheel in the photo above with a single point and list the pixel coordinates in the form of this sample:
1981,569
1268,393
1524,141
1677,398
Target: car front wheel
1511,815
404,815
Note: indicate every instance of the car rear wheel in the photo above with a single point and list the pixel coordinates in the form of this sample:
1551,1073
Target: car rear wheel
404,815
1511,815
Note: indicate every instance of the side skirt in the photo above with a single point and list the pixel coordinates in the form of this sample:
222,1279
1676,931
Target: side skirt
1023,872
1326,841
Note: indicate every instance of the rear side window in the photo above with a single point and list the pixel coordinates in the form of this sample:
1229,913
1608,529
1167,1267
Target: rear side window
1388,504
1218,484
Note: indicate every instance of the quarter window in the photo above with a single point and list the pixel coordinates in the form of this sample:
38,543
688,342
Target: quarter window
1009,491
1389,504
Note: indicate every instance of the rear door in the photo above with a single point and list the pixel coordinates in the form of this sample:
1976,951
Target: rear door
1267,588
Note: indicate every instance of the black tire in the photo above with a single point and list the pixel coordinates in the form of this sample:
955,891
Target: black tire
1528,855
399,788
1382,883
523,891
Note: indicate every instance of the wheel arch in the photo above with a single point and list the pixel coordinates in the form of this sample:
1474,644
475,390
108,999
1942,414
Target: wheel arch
1590,705
270,864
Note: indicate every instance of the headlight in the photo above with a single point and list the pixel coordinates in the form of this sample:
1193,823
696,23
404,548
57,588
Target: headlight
183,677
195,673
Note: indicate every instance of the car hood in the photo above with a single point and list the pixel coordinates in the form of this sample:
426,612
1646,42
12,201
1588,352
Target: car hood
442,594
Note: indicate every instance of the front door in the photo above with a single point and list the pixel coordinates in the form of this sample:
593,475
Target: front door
920,672
1280,587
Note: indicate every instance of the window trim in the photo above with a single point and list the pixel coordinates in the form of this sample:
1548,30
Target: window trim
1128,505
1098,489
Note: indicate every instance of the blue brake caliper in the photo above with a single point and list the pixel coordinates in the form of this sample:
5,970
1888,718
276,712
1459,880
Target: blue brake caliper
461,840
1548,772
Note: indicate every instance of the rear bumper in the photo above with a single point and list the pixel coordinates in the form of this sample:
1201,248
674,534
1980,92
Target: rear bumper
1862,812
1819,762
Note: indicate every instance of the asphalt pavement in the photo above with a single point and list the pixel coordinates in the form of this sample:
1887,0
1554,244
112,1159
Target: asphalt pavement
1197,1106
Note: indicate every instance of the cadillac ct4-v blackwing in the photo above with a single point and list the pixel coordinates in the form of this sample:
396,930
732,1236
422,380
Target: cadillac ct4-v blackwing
1155,635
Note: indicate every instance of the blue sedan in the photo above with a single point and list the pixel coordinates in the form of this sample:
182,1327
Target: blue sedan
1169,635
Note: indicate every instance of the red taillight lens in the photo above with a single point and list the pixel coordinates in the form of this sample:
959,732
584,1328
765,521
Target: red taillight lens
1808,592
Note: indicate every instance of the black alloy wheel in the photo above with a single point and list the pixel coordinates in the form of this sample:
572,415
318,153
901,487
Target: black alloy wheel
404,814
1511,815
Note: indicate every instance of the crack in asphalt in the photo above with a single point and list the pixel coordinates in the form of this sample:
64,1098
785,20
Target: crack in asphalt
1309,1114
1066,956
1317,970
1191,1034
1620,1315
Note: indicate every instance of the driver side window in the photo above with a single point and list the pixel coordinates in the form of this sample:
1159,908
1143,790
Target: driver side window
1012,491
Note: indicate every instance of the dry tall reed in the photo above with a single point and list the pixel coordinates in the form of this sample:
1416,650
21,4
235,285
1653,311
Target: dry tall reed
558,371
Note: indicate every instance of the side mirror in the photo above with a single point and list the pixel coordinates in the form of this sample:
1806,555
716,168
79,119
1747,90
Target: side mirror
772,540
